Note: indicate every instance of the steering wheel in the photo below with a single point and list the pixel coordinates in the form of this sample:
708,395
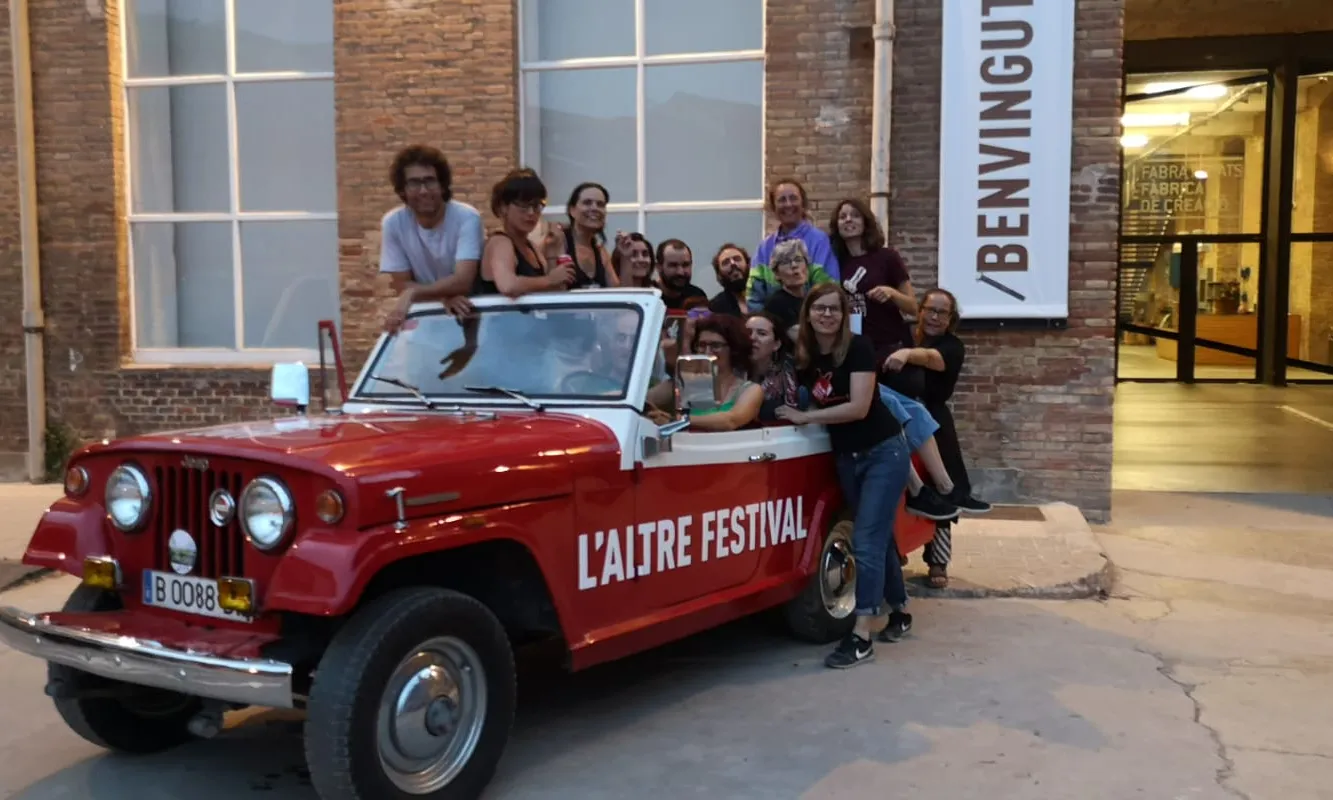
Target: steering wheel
588,382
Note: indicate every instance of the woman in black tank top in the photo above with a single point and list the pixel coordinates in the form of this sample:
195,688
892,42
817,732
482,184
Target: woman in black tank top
585,238
510,265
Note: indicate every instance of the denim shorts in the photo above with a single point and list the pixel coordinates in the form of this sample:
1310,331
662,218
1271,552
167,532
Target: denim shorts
917,422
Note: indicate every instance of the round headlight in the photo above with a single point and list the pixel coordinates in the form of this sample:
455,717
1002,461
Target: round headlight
127,497
266,512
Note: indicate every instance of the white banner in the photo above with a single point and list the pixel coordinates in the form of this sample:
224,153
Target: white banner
1006,140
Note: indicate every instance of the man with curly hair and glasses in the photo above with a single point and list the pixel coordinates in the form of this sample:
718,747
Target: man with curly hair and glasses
432,241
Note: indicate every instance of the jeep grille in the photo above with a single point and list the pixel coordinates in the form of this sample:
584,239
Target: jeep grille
182,504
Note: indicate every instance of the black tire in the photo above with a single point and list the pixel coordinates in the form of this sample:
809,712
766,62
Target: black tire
148,721
808,616
341,738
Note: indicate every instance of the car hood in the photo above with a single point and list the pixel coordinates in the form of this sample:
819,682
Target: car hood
443,462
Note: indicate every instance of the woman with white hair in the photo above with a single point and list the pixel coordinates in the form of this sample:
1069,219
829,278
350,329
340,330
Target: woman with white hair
790,263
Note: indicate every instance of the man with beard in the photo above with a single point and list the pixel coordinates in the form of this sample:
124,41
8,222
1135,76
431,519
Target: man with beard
432,241
675,265
732,265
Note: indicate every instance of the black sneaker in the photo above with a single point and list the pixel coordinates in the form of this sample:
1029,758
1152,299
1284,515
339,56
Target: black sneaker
967,503
852,650
900,622
930,504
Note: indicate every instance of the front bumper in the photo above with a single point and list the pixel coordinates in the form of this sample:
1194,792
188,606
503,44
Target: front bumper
252,682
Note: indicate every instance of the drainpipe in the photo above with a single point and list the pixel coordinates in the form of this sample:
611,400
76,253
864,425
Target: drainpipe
882,111
34,320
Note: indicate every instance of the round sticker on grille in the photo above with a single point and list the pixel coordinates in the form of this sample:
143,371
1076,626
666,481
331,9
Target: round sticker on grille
182,552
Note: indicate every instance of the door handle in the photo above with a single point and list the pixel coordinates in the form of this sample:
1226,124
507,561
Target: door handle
763,457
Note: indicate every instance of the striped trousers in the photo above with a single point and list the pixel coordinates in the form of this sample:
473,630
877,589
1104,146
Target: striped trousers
940,549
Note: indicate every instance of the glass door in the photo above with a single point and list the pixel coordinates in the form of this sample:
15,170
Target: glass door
1309,285
1191,225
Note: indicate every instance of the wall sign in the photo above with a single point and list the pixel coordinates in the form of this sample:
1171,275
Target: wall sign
1006,140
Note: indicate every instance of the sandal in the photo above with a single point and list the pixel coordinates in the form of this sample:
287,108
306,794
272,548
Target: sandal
938,576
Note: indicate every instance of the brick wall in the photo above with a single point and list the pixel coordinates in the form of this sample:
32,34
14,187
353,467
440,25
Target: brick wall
83,250
1034,408
1170,19
450,83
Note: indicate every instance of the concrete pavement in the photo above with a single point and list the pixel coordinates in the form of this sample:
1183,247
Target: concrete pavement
21,505
1047,551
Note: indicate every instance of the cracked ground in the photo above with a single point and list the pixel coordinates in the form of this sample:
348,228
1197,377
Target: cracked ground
1207,674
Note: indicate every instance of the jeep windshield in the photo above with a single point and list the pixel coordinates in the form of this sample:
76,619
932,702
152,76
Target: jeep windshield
564,352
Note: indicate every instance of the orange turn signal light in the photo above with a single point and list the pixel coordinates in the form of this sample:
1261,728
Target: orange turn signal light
101,572
76,481
236,594
329,506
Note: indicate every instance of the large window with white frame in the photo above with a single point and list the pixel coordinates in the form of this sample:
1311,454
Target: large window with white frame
660,101
229,120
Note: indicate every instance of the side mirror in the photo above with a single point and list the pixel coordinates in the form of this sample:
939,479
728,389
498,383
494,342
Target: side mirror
696,383
662,444
289,385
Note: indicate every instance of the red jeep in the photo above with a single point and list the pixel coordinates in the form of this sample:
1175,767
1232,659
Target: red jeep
488,483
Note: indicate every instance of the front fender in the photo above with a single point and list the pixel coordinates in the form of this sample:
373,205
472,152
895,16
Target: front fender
326,571
68,533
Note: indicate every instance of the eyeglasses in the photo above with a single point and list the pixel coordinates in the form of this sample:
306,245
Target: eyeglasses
535,207
417,184
711,346
935,312
830,311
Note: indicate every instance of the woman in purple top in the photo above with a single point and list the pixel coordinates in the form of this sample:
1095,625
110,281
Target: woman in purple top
788,202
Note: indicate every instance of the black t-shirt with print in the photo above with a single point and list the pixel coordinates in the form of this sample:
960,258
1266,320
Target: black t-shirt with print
831,385
940,385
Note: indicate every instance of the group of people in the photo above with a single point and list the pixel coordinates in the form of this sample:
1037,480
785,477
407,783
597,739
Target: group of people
815,329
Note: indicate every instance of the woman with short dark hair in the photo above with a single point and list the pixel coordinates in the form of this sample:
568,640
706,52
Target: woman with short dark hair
510,265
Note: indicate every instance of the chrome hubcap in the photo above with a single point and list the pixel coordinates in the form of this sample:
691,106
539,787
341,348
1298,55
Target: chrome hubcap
431,715
837,578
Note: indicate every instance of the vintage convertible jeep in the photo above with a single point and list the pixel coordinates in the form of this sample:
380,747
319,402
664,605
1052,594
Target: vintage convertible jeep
488,483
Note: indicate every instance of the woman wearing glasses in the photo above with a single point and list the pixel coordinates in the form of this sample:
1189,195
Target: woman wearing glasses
838,369
941,353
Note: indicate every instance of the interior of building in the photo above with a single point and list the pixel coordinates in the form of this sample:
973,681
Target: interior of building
1225,326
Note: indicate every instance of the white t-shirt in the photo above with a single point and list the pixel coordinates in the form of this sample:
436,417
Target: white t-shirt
430,253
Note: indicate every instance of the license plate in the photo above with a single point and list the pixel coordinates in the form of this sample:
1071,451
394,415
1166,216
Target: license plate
185,593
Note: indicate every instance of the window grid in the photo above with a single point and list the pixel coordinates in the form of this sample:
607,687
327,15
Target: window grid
641,61
186,356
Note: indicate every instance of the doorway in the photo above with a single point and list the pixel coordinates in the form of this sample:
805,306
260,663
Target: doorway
1226,251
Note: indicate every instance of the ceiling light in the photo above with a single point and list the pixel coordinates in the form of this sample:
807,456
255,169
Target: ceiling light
1201,174
1156,120
1133,140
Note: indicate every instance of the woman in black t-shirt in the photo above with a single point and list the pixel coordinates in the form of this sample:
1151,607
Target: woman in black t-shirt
838,368
941,353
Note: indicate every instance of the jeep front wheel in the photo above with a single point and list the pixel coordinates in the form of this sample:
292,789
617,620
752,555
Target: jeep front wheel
113,714
822,613
413,698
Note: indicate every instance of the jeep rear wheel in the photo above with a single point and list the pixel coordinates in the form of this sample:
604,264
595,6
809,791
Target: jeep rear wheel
822,613
414,698
120,716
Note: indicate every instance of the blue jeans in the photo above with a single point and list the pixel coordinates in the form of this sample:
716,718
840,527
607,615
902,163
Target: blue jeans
917,422
872,482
